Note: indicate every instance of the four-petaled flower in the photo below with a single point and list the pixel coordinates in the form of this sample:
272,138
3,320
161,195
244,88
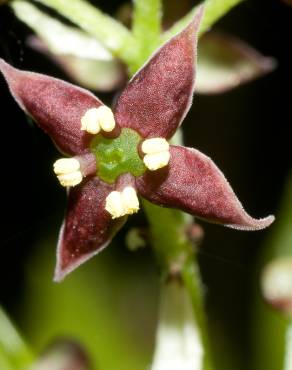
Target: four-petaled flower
116,154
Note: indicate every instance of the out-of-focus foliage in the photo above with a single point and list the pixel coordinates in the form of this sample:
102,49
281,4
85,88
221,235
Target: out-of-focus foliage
63,354
224,62
14,352
84,58
107,309
270,326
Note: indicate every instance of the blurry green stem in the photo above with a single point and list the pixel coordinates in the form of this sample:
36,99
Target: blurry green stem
288,348
176,257
146,28
214,10
178,340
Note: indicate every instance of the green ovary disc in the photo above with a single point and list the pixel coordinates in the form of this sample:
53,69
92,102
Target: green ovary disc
117,156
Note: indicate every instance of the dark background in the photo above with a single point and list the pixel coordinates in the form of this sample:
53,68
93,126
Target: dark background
246,132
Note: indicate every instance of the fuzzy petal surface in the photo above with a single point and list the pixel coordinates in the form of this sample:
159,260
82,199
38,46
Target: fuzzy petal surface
56,106
194,184
158,97
88,227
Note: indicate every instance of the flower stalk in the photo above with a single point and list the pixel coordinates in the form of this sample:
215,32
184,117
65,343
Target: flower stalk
214,10
176,256
146,29
288,349
178,341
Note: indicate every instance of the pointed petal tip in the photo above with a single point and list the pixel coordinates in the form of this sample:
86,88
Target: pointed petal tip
163,88
59,275
253,224
43,98
5,68
63,268
61,271
200,11
2,63
195,23
194,184
88,228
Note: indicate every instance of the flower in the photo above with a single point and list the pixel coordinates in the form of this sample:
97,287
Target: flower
117,154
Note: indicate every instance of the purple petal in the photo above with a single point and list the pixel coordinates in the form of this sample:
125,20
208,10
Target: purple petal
225,62
55,105
88,227
194,184
159,96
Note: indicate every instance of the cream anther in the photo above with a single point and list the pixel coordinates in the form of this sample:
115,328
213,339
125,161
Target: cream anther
66,165
123,203
157,153
96,119
70,179
106,118
155,145
130,200
114,204
68,171
90,121
157,160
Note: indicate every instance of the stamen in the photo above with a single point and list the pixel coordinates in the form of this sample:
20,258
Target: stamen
123,203
155,145
96,119
114,204
66,165
70,179
157,160
90,121
106,118
157,153
68,171
130,200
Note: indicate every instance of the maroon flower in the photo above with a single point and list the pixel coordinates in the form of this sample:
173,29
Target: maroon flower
118,154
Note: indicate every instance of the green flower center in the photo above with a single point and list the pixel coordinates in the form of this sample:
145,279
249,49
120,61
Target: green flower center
115,157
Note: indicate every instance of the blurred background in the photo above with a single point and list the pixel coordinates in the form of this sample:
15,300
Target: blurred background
110,303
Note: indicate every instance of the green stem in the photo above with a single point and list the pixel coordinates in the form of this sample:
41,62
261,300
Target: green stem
288,348
214,10
112,34
178,339
146,27
176,257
